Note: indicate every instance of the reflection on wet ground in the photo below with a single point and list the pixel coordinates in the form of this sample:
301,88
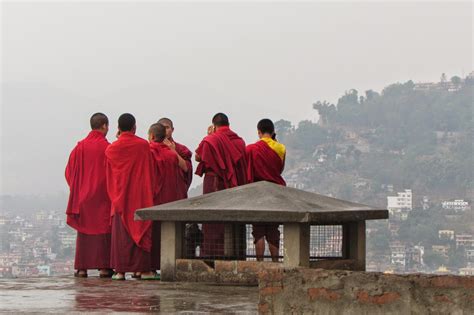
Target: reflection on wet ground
68,294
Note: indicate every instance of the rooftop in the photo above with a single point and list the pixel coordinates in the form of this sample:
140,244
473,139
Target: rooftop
263,202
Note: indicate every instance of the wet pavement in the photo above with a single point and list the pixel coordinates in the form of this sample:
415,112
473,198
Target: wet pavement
94,295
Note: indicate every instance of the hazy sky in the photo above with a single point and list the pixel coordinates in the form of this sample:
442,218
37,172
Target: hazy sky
63,61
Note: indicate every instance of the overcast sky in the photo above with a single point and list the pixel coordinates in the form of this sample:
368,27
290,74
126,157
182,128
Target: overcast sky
63,61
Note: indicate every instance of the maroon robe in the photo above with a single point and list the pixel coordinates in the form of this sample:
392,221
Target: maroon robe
185,177
224,163
130,184
169,174
88,209
265,164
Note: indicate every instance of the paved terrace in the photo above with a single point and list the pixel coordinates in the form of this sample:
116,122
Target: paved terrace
93,295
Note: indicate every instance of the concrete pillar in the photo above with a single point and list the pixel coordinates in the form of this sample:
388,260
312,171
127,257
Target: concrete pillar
171,248
296,244
354,243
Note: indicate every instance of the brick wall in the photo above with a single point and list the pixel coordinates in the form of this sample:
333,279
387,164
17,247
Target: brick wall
318,291
221,271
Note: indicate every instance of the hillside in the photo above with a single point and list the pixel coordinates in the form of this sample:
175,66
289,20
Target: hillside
405,137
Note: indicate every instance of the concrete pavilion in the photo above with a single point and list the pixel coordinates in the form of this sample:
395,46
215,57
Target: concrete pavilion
265,202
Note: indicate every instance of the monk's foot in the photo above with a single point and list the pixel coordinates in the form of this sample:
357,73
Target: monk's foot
81,274
118,276
136,275
150,275
106,273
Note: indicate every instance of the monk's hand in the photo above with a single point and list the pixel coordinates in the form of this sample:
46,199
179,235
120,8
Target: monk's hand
211,129
170,144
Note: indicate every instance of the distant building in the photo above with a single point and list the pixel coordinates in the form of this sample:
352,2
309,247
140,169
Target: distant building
442,270
465,240
470,254
44,270
446,235
6,272
456,205
430,86
67,239
425,203
398,255
403,200
467,271
441,250
399,206
414,256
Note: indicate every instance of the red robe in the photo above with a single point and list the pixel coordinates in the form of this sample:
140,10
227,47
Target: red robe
130,184
224,163
264,164
167,189
223,154
168,174
88,209
185,177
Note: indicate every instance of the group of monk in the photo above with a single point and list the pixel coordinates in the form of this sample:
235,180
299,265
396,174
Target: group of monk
109,181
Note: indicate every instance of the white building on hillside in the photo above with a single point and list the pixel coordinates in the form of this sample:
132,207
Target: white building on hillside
456,205
400,205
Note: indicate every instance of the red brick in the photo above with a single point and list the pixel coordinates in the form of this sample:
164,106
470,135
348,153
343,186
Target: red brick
270,290
199,265
452,282
271,275
385,298
263,308
248,266
224,266
182,265
323,293
442,298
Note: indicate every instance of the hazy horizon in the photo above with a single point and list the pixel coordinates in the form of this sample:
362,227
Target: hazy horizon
61,62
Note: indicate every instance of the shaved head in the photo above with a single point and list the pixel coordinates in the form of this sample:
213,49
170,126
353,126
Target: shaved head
266,126
167,121
126,122
220,119
98,120
158,132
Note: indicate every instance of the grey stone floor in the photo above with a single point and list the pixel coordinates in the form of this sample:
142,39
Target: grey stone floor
93,295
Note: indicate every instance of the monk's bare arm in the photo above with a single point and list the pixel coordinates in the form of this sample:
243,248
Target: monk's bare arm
182,163
284,160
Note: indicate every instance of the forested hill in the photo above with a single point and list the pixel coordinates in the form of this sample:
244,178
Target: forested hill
417,136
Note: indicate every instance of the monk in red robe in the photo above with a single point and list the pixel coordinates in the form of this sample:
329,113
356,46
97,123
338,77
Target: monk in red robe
169,167
186,177
130,184
222,161
88,209
184,182
266,161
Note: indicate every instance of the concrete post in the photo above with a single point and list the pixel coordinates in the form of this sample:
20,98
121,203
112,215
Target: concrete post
296,244
354,244
171,248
